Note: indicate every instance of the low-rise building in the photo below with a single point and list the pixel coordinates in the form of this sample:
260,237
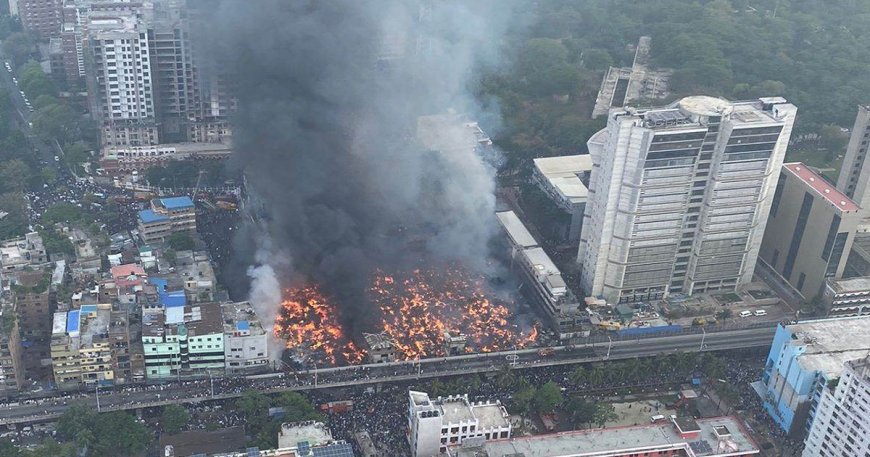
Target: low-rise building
545,282
126,159
684,437
564,180
246,343
847,297
198,275
436,424
81,350
810,230
380,348
842,420
180,343
803,359
19,253
165,217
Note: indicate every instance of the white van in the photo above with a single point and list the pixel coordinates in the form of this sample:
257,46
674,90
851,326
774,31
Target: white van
760,312
746,313
656,418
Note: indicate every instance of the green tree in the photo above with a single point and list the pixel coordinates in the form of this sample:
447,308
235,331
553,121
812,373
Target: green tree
833,139
580,411
296,407
174,418
725,314
55,243
18,46
523,399
597,59
55,122
181,241
8,449
13,176
547,397
604,413
13,215
63,212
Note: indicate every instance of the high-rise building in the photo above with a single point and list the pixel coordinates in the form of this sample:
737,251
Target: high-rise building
854,179
42,17
435,424
810,230
81,350
679,196
11,367
804,359
842,422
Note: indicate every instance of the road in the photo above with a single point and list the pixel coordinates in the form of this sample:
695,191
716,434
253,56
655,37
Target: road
221,389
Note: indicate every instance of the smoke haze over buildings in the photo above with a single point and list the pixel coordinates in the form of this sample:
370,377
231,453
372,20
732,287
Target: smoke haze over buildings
329,93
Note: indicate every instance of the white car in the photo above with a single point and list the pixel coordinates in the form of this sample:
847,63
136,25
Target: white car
746,313
760,312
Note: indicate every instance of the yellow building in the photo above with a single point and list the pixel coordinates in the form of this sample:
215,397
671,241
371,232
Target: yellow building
81,351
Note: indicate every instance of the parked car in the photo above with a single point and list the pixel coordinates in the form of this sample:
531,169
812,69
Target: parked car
760,312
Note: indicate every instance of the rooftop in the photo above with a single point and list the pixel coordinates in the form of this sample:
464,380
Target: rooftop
379,341
633,439
516,230
826,349
563,174
241,316
172,203
541,262
148,216
130,269
859,284
313,432
821,186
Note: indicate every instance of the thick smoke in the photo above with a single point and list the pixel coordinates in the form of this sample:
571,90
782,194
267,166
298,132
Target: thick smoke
329,96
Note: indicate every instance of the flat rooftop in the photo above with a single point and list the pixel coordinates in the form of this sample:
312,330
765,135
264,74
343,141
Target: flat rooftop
292,433
842,286
821,186
490,416
541,261
455,410
516,230
241,316
563,175
826,347
633,439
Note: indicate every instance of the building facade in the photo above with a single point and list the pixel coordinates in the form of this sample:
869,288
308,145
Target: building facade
564,180
803,359
810,230
246,344
81,351
854,178
167,216
11,367
842,422
679,196
179,344
42,17
847,297
436,424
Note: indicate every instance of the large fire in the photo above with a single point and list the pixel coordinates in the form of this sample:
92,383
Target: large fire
308,321
420,306
417,308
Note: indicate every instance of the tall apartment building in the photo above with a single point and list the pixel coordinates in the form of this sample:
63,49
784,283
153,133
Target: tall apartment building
42,17
679,196
189,342
246,343
804,358
810,230
81,351
854,179
449,421
120,79
167,216
11,367
842,424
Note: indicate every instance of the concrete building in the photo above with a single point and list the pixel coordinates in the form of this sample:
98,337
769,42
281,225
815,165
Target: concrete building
126,159
685,437
380,348
842,421
182,340
847,297
436,424
803,359
167,216
81,351
42,17
11,366
679,196
198,276
854,181
246,343
564,180
545,283
810,230
312,432
120,78
19,253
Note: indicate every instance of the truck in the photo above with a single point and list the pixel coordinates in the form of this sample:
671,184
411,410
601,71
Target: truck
337,407
546,352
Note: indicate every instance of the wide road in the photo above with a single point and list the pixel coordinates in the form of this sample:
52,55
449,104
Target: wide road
218,389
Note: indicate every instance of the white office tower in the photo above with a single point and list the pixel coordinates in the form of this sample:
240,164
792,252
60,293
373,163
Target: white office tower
120,78
841,427
679,196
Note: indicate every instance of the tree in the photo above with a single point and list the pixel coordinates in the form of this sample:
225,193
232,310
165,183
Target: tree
578,375
541,54
296,407
523,399
174,418
56,243
254,407
597,59
725,314
547,397
580,411
55,122
604,413
13,176
63,212
18,47
8,449
13,215
181,241
833,139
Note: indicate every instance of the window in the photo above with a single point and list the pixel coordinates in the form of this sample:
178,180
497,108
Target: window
801,279
798,235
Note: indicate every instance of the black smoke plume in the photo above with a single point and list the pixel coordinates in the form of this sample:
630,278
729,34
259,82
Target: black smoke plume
329,94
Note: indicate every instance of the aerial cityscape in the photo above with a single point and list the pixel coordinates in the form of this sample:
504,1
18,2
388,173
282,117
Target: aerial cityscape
434,228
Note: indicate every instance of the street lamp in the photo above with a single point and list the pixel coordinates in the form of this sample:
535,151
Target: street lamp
609,347
703,337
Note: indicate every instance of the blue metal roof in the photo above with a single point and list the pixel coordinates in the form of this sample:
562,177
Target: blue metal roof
88,309
243,325
177,202
148,216
160,283
72,321
173,299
